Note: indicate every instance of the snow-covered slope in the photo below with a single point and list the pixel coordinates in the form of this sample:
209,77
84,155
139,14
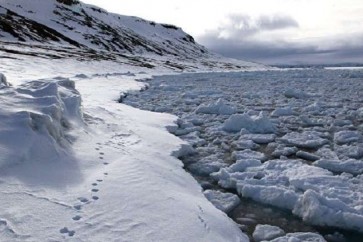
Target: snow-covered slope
75,25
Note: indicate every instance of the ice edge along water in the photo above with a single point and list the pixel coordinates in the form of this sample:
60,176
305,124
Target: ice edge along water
101,173
307,120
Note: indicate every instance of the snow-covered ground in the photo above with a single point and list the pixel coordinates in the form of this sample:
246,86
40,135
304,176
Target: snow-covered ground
287,139
76,165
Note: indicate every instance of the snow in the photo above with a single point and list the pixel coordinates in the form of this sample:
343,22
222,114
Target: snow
267,232
68,163
42,111
82,27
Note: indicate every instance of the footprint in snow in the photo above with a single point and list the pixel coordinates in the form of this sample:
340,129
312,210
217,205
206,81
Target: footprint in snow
83,199
77,207
106,163
94,184
101,158
95,198
94,190
105,173
76,218
65,230
99,180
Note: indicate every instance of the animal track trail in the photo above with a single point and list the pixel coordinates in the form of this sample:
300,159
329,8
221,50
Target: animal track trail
201,219
83,200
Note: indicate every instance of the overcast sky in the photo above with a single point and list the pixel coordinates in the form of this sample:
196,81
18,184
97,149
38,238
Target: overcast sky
268,31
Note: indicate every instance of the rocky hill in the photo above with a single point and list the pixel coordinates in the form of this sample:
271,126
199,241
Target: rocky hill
72,28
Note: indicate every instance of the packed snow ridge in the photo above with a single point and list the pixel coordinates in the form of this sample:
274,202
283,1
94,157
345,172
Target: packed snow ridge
42,111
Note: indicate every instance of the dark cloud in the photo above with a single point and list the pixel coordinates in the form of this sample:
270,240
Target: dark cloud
287,53
241,38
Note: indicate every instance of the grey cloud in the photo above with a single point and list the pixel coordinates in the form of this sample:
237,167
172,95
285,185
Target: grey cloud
287,53
246,25
242,42
277,22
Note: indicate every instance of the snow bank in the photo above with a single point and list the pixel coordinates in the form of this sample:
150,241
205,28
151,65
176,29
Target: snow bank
254,124
3,81
36,118
218,107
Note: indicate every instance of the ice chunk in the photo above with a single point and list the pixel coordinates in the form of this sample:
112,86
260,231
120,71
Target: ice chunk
259,138
300,237
267,232
349,151
218,107
277,196
307,156
254,124
306,139
184,150
242,144
298,94
282,150
320,210
224,201
241,165
205,168
345,137
351,166
282,112
248,154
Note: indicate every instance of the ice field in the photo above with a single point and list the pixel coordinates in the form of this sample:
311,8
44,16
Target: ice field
289,140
